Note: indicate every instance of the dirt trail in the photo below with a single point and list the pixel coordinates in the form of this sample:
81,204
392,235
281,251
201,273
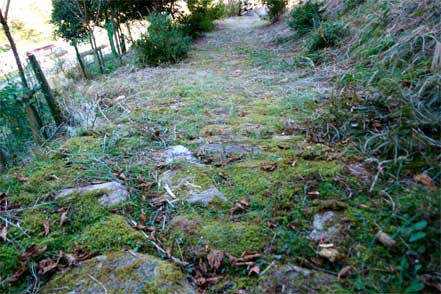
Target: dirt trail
214,154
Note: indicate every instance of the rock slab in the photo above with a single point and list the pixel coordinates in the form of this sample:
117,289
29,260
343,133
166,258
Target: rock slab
179,152
291,279
207,196
114,192
121,272
322,227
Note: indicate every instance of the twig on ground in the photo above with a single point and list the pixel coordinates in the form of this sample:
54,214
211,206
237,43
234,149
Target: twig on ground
169,191
98,282
267,268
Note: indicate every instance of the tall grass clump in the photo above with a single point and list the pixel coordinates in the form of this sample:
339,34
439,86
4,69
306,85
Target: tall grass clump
389,100
305,17
165,42
329,34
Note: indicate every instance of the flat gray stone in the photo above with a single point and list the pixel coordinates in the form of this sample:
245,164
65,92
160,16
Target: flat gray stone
291,279
207,196
121,272
323,226
114,192
282,137
179,152
292,127
226,149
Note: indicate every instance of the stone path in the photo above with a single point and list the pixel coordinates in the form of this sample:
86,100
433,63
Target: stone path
229,141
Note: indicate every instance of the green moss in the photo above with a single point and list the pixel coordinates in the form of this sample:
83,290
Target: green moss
9,259
121,272
198,176
33,220
113,233
234,238
168,275
194,232
84,210
82,144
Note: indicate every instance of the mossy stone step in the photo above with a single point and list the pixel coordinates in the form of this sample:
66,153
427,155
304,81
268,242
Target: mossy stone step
121,272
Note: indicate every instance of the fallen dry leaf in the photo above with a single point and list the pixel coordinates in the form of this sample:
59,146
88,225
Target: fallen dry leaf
332,204
269,167
292,227
54,177
46,229
331,254
426,180
47,265
215,258
143,217
79,254
344,272
157,202
64,217
250,256
144,228
240,206
32,251
168,251
231,158
202,282
255,269
22,179
203,266
122,176
4,233
70,258
318,261
385,239
144,184
63,150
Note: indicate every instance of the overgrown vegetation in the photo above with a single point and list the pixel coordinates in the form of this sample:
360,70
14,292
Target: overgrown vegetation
305,17
328,34
201,16
275,9
164,43
398,113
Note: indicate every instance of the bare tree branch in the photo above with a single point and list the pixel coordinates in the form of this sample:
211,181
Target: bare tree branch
7,9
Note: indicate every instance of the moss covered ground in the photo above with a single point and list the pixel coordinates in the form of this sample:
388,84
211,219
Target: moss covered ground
233,89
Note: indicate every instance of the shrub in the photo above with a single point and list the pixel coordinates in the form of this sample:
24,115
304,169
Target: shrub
328,34
350,4
165,42
276,8
306,17
201,17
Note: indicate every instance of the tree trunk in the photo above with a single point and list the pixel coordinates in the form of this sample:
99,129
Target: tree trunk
3,161
121,39
47,92
115,34
33,117
95,54
80,60
130,32
99,54
110,33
